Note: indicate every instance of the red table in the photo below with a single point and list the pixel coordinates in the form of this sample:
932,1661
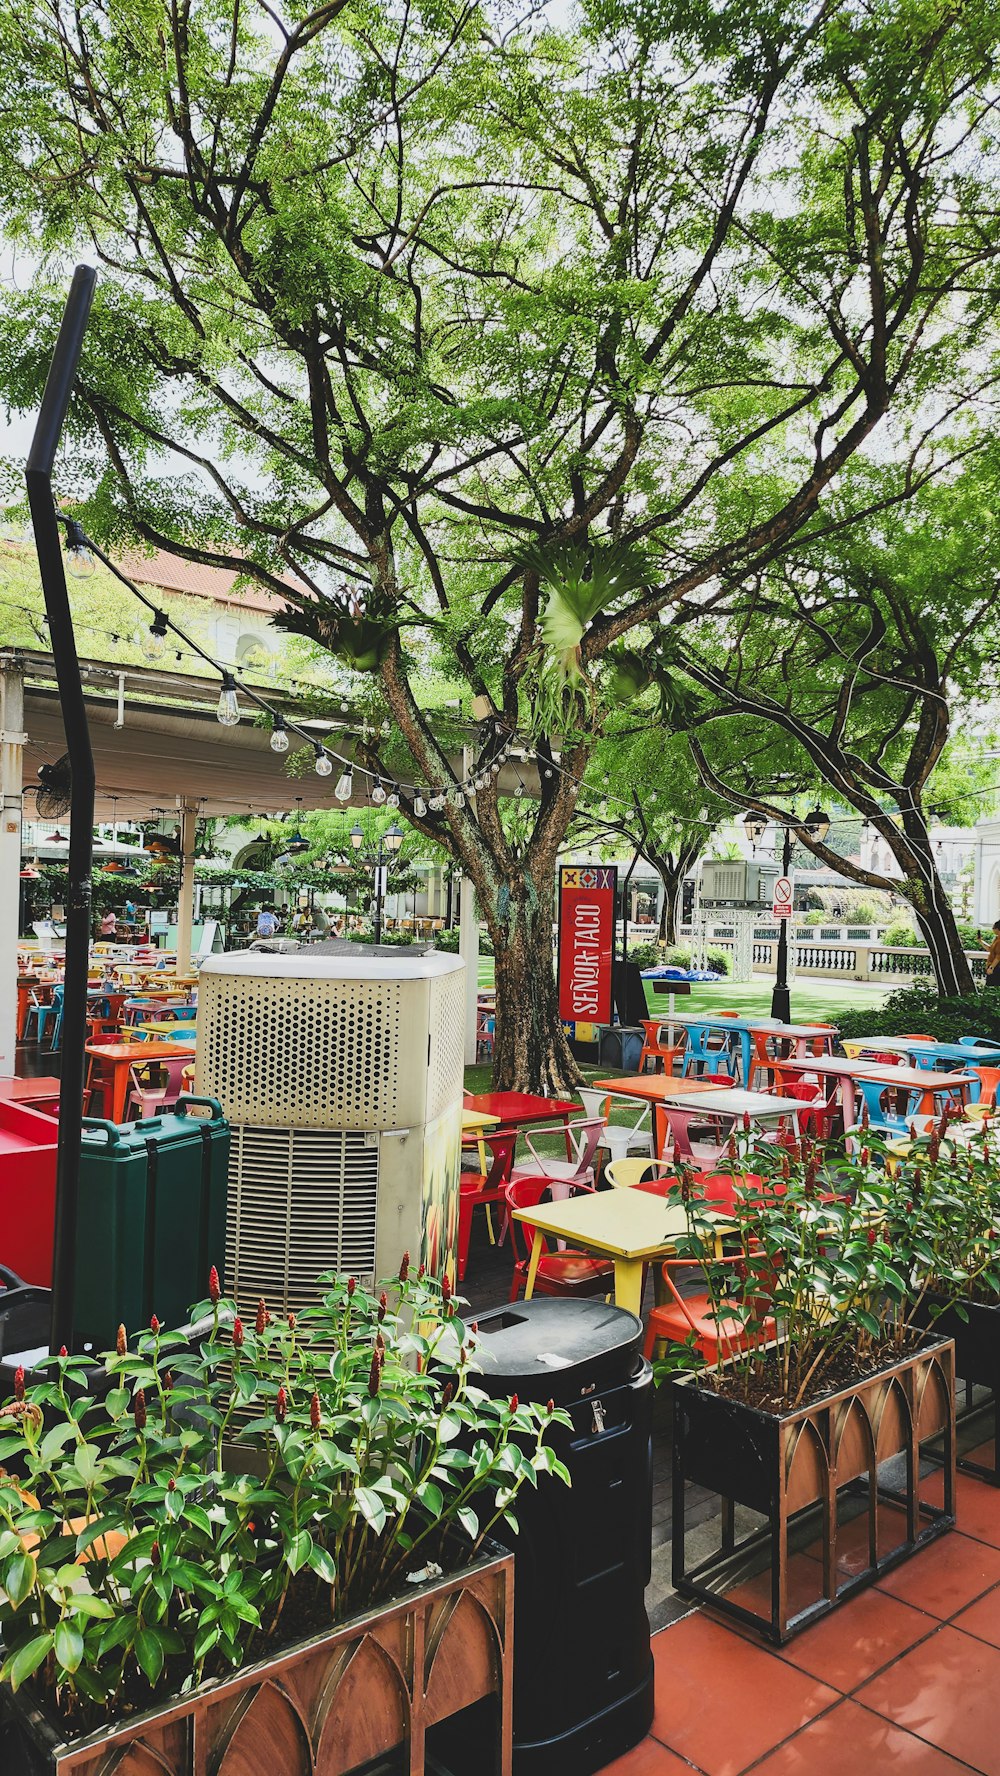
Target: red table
120,1057
518,1109
23,1091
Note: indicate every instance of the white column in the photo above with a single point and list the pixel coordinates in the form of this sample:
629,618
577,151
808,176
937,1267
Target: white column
12,738
468,949
185,902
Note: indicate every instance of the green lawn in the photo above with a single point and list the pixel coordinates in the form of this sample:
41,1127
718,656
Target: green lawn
812,999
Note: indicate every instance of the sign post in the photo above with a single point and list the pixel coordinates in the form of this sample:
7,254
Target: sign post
587,895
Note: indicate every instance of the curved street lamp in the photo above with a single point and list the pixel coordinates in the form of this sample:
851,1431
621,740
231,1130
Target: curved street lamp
388,846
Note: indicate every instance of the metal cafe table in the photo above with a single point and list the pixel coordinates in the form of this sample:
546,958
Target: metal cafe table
628,1226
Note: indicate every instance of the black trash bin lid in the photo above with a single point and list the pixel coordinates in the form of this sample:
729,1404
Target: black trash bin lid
550,1337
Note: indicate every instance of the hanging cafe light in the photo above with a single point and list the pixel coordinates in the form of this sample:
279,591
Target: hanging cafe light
155,642
229,709
279,735
79,560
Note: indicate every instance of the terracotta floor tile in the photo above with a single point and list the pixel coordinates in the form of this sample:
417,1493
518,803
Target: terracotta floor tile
858,1639
849,1741
977,1506
982,1618
648,1759
945,1690
945,1576
805,1586
756,1699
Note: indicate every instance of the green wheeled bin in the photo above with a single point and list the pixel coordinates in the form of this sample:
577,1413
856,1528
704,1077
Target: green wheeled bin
152,1219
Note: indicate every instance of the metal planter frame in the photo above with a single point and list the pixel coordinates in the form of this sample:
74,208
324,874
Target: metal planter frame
375,1685
798,1470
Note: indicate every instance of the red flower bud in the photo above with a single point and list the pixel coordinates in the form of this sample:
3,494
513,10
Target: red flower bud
139,1409
121,1342
934,1147
260,1324
421,1270
550,1406
63,1352
154,1325
447,1394
314,1412
732,1152
866,1154
909,1208
474,1326
214,1291
168,1379
352,1283
19,1382
872,1236
154,1554
513,1402
446,1287
383,1303
746,1122
404,1268
281,1406
374,1375
171,1485
237,1333
291,1322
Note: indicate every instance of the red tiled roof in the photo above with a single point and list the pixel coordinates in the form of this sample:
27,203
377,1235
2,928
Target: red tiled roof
173,574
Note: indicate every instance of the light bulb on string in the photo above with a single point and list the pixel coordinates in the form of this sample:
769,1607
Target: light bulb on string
324,763
279,735
419,806
392,799
378,793
229,709
345,786
79,560
437,802
459,798
155,644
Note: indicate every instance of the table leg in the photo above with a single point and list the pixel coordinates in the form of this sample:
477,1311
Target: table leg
847,1106
119,1090
536,1252
628,1283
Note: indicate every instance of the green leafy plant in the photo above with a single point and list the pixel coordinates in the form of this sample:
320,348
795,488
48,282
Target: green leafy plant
231,1491
920,1008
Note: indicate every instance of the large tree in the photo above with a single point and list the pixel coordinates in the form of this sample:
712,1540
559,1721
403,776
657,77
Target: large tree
504,333
846,664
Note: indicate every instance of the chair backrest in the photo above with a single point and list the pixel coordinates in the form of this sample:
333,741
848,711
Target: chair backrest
719,1188
594,1103
624,1174
501,1143
525,1193
585,1137
990,1077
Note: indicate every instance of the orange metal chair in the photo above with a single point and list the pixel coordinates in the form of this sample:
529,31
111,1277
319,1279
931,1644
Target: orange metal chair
566,1273
680,1316
656,1051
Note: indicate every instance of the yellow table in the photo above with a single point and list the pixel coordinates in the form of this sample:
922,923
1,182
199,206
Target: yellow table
163,1029
627,1225
473,1121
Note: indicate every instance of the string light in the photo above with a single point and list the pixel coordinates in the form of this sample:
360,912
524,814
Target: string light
378,793
419,806
229,708
324,763
155,644
345,785
279,735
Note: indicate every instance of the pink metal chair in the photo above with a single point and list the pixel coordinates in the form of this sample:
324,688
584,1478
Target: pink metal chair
583,1140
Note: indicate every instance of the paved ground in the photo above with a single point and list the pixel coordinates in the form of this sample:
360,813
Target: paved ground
904,1678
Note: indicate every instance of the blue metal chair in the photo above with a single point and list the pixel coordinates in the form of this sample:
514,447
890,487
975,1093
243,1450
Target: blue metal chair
41,1015
891,1121
698,1056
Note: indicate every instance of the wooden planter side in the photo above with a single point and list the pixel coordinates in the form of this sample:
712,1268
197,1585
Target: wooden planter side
800,1463
329,1704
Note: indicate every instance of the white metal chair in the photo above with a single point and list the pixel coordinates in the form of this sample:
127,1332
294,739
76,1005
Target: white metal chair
617,1139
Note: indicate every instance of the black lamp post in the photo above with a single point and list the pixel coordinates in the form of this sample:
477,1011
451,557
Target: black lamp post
817,825
388,846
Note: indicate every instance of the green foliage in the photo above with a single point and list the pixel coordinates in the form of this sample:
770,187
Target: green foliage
919,1008
137,1558
834,1255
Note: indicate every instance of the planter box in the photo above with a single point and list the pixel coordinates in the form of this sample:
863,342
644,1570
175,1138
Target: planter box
804,1541
977,1364
378,1687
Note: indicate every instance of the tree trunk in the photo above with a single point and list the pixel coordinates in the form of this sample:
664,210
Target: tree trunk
668,911
939,929
530,1049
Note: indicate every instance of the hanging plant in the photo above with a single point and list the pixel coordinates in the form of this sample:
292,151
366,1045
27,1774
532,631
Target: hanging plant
357,633
628,675
581,579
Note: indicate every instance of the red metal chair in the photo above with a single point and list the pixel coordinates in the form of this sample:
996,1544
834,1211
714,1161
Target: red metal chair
681,1316
656,1051
566,1273
477,1188
815,1121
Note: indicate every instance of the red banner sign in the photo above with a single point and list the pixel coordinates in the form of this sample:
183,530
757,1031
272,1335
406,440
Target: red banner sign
586,941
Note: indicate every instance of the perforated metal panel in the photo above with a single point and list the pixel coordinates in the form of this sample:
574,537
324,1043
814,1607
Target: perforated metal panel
304,1051
446,1060
301,1202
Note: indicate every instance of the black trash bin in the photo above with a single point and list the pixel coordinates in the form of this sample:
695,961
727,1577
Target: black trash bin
583,1667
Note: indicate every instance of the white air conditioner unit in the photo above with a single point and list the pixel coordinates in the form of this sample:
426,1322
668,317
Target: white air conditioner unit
340,1070
735,882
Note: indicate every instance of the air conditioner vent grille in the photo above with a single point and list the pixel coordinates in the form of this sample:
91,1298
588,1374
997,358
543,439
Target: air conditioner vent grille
447,1046
301,1202
301,1052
